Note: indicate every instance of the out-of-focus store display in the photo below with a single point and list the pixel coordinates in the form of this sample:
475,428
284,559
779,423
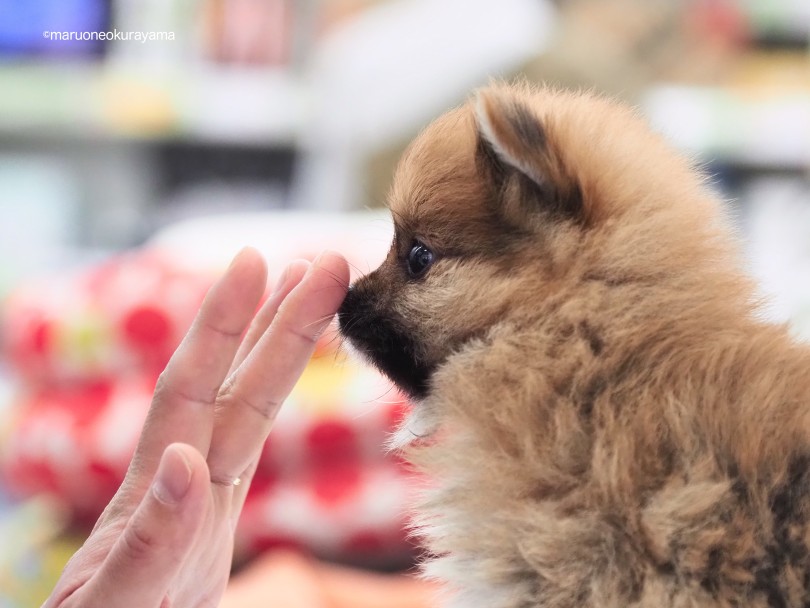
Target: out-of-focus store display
288,579
132,166
777,224
86,351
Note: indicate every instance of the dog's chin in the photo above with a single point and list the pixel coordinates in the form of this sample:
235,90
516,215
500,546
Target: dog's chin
413,380
388,348
395,361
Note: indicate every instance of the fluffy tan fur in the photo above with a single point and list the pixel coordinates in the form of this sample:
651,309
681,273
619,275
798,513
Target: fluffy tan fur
609,421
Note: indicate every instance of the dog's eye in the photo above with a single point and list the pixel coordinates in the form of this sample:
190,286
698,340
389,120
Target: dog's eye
420,259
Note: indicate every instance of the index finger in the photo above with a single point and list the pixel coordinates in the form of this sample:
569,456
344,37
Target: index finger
251,396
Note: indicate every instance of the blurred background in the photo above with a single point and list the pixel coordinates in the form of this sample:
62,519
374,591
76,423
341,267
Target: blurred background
134,165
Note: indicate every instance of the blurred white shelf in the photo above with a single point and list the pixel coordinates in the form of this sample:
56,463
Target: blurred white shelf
256,106
778,17
747,127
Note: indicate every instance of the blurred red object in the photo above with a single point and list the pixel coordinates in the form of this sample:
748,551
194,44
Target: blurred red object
248,32
720,23
125,316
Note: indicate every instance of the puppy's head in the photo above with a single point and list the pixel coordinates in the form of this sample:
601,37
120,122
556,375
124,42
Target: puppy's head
498,206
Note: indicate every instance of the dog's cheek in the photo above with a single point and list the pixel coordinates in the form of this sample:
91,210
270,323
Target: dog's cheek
463,303
428,314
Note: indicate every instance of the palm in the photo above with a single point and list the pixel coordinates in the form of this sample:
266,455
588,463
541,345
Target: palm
203,581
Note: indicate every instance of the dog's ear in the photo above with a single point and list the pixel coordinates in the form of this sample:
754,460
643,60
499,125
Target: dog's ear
514,150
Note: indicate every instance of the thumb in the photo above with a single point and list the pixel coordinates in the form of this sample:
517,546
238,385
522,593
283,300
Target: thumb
156,541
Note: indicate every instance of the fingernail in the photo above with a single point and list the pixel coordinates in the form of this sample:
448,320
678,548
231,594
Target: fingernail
173,476
235,258
315,262
238,255
281,280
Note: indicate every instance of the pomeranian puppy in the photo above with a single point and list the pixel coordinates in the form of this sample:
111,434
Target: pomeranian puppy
608,418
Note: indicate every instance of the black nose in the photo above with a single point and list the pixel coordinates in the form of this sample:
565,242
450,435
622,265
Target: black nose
351,311
358,318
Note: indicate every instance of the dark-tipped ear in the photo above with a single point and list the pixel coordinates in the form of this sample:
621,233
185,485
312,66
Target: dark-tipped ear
513,144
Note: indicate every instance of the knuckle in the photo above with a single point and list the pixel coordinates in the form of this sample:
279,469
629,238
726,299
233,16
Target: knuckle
297,332
140,543
219,328
168,387
226,389
223,480
227,479
230,397
72,601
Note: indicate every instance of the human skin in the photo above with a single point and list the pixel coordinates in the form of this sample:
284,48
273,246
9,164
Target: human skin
166,538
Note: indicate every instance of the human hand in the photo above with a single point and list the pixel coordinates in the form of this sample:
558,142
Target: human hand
166,538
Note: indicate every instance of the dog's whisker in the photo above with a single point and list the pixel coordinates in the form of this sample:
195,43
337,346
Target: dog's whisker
336,278
355,267
318,321
379,399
